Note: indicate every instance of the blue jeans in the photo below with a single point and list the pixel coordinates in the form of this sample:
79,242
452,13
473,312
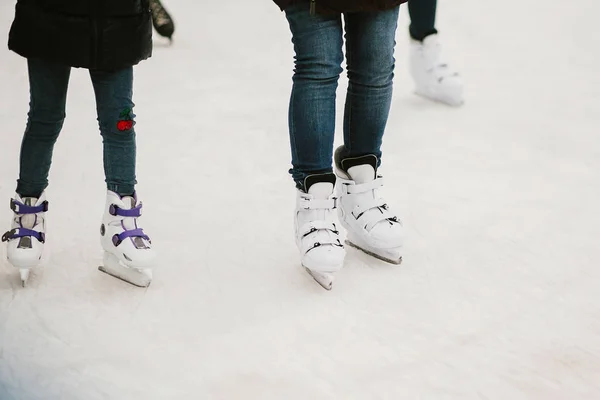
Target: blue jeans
318,42
48,83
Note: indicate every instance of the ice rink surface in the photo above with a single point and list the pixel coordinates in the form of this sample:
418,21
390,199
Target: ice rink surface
498,296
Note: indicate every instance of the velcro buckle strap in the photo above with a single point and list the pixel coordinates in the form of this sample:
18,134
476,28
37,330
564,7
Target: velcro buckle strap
365,187
360,209
318,204
118,238
383,215
17,233
315,226
325,234
135,212
23,209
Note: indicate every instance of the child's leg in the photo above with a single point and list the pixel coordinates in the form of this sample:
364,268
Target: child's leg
128,254
48,85
114,92
422,18
370,41
318,46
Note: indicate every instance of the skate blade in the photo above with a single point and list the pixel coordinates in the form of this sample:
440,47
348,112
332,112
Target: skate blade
24,272
136,277
323,279
389,258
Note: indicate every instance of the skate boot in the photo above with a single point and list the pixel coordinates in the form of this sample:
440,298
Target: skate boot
317,237
26,238
433,78
128,253
162,20
372,227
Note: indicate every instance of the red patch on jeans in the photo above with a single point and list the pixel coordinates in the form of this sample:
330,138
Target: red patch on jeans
124,125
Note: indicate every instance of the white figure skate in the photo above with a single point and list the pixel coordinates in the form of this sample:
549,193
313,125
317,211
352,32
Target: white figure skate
372,227
433,78
317,238
27,236
128,253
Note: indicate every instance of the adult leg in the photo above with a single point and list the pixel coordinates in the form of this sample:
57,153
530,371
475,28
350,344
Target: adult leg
317,43
370,42
371,225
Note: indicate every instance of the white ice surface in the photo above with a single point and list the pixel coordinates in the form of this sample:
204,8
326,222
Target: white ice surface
498,296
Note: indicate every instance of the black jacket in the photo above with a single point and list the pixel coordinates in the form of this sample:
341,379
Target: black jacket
342,6
95,34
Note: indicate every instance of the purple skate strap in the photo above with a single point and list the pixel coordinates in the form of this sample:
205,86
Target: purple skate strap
23,232
134,212
22,209
117,239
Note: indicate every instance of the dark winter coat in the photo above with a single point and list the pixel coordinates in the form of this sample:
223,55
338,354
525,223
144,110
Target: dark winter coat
94,34
342,6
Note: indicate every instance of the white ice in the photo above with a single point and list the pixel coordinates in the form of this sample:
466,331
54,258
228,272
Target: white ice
498,296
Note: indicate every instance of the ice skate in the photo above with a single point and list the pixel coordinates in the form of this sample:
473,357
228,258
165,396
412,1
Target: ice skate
317,237
162,20
372,226
433,78
27,236
128,253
